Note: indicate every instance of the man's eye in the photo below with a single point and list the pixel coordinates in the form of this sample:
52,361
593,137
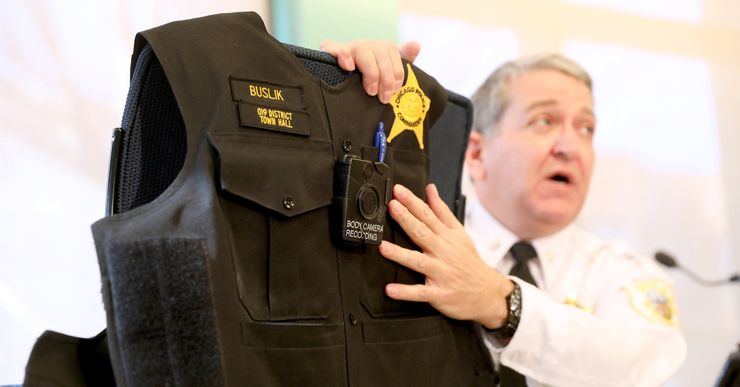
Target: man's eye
586,130
542,122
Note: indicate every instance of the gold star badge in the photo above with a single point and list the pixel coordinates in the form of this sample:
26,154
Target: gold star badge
410,106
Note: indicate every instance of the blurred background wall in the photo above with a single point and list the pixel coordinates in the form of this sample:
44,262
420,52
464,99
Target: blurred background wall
666,73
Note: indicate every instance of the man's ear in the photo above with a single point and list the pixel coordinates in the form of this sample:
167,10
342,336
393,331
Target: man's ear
473,155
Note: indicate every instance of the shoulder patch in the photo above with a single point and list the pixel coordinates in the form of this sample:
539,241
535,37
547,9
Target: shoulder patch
654,300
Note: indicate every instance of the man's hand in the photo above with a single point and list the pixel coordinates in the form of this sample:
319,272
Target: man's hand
458,283
378,61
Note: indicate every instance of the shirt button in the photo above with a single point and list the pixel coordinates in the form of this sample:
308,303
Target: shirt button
352,319
495,245
288,202
347,145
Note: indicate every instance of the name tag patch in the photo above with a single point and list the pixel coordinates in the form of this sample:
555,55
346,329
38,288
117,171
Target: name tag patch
269,106
257,92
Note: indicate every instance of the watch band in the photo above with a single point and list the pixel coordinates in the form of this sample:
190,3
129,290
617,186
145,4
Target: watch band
514,305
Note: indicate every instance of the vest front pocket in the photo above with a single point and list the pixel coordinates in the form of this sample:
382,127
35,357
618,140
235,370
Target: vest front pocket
284,354
423,348
276,192
410,170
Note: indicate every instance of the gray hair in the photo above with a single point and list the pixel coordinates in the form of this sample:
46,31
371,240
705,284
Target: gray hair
492,97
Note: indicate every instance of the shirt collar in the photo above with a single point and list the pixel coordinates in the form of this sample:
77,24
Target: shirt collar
490,237
493,240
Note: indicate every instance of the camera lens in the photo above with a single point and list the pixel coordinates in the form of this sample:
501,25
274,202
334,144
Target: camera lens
368,200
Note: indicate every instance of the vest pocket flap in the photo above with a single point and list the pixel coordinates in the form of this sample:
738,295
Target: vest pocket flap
288,175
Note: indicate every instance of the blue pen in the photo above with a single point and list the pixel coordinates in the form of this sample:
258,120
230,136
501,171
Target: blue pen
380,141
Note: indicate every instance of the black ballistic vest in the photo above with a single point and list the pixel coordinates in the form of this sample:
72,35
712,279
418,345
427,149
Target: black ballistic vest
233,274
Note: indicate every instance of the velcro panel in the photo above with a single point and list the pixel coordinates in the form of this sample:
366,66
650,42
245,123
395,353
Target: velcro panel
163,308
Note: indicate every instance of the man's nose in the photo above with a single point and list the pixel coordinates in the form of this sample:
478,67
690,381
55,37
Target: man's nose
566,142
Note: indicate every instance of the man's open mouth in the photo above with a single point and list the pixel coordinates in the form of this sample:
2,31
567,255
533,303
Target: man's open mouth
561,178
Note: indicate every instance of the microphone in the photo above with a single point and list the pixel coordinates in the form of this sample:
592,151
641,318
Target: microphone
668,261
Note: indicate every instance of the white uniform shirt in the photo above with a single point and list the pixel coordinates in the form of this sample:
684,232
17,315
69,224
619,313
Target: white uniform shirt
600,316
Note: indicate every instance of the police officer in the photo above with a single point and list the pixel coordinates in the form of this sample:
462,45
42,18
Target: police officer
560,307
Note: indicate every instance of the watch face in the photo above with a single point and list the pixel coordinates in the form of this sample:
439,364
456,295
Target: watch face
514,302
515,306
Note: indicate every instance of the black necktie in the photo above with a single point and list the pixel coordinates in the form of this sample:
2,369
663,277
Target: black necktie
521,252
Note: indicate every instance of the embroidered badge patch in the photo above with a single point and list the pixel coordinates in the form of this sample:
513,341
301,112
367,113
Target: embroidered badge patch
654,300
410,106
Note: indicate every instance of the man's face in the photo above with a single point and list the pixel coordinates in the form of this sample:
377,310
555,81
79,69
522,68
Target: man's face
533,175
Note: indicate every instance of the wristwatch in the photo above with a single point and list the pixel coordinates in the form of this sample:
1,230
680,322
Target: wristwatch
514,305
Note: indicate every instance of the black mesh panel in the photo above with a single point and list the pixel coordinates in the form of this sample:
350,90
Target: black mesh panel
154,137
320,64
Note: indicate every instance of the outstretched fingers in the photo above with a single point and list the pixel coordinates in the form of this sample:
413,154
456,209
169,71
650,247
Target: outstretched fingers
417,230
416,293
420,210
416,261
412,259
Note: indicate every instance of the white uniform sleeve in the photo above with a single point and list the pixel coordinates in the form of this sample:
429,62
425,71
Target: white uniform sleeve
566,346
